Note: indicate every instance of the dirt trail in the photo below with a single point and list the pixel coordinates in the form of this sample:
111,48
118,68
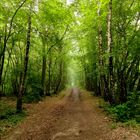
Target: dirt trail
75,117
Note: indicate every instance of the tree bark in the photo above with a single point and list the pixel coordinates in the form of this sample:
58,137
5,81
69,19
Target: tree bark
49,75
110,47
25,67
60,77
101,52
2,58
43,79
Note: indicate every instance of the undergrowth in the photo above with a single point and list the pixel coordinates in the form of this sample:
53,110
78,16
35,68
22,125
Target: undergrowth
8,116
128,113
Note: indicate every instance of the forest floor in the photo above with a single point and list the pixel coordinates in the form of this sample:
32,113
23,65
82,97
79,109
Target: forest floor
73,115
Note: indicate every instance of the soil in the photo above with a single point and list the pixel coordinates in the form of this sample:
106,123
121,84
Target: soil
74,116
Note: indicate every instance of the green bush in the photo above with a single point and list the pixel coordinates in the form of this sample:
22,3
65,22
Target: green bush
10,120
17,117
133,105
8,111
33,88
31,97
119,112
127,111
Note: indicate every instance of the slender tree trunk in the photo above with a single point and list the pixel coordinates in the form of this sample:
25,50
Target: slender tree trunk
102,85
2,58
101,62
24,73
43,79
134,77
49,75
110,47
60,77
123,90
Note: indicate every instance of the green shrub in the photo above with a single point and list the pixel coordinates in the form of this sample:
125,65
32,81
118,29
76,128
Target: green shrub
7,112
119,112
126,111
131,123
133,105
32,97
10,120
17,117
33,88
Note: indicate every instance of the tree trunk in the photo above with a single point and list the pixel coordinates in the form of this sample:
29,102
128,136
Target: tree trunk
2,58
49,75
101,62
100,44
24,73
110,47
60,78
123,90
43,79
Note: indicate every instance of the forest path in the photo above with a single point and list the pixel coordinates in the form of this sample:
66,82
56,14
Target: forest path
74,115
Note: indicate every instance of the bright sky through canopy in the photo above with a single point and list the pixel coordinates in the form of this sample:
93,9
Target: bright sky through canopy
69,2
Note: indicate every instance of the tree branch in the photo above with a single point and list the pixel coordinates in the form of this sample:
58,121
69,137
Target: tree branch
59,40
11,22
